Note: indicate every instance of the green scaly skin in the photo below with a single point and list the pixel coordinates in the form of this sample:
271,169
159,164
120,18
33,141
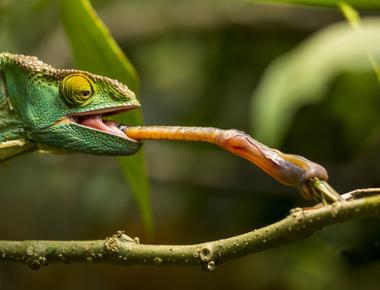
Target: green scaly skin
42,108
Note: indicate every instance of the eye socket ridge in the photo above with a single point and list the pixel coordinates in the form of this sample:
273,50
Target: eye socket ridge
77,89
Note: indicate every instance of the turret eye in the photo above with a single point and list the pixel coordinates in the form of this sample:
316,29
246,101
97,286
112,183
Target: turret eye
77,89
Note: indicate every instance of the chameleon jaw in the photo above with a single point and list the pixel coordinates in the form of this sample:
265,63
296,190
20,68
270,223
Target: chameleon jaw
93,120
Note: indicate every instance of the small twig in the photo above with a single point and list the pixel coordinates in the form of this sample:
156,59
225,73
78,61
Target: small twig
360,193
122,250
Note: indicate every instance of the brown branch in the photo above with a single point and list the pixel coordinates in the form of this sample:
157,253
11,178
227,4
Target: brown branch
122,250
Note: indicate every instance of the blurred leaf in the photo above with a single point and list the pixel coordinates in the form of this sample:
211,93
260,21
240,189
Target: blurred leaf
353,18
351,14
360,4
302,76
93,46
95,50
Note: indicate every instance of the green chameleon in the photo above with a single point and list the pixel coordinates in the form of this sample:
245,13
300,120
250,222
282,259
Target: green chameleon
62,110
57,109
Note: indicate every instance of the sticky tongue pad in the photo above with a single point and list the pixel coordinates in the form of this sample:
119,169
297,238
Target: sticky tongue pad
97,123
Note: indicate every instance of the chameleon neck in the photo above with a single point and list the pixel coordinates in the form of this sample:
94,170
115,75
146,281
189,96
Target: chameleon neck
13,139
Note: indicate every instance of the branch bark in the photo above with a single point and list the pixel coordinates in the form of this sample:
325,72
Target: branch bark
123,250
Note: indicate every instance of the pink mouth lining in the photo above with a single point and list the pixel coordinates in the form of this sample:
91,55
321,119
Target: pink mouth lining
96,122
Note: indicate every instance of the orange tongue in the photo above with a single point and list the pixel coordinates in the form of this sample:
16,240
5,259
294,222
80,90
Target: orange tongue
97,123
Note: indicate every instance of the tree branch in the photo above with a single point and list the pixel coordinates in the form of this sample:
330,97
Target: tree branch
122,250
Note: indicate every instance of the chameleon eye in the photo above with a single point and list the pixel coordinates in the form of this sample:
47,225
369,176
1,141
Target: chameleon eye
76,89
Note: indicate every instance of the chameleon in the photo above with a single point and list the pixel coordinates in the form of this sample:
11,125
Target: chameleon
63,110
60,110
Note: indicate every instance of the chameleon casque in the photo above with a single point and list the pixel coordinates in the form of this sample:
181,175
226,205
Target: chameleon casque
62,110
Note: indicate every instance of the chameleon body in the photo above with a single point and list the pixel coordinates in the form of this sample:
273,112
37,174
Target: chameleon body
59,109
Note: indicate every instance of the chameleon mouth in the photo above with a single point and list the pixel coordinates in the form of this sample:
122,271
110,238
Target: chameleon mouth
94,120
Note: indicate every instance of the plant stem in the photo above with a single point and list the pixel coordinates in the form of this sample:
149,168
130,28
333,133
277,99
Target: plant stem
122,250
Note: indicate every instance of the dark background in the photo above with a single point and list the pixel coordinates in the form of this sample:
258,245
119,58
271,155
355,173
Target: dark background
199,63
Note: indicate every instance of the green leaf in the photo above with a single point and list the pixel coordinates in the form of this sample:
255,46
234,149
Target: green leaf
303,75
359,4
96,51
351,14
353,19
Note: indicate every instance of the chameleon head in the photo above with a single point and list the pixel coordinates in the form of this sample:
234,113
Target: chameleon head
63,109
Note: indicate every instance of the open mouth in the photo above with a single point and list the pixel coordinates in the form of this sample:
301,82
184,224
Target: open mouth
94,120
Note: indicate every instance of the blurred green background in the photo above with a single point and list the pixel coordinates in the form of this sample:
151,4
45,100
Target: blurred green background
202,63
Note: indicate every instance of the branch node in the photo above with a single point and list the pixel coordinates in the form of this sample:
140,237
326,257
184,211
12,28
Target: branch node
112,243
205,253
297,212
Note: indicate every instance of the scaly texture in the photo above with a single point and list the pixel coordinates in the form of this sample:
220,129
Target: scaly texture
60,109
